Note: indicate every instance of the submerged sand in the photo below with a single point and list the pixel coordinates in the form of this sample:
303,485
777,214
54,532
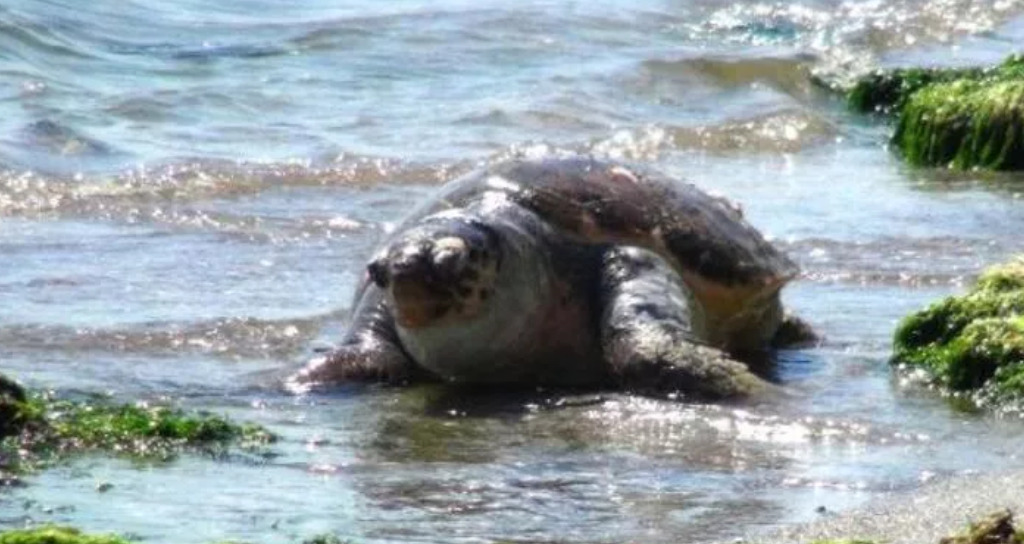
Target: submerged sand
925,515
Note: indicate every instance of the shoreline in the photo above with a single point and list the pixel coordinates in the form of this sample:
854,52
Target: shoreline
938,509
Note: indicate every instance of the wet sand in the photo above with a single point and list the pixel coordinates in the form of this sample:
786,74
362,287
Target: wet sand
939,509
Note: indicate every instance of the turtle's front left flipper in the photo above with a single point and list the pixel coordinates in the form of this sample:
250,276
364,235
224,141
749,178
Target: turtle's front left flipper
650,330
370,352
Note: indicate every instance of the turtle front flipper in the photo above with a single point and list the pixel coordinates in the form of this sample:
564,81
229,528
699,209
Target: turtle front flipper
650,329
370,352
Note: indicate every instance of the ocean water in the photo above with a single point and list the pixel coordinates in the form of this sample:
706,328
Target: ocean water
189,190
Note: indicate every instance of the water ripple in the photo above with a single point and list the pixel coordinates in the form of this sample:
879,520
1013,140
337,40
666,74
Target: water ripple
231,338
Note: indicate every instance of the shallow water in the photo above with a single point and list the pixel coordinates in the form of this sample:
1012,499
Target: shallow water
188,193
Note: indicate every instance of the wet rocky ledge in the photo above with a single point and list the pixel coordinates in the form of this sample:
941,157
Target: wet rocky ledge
971,346
55,534
40,429
960,118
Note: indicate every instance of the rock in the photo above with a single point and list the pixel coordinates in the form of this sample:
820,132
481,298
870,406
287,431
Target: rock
964,124
997,528
12,400
960,118
972,343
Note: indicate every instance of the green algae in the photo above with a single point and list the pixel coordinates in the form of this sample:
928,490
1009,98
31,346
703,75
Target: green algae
964,124
1003,278
961,118
43,429
972,343
56,534
886,91
137,429
52,534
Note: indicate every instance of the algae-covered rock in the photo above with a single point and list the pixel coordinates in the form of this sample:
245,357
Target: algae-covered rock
43,429
136,429
52,534
974,342
885,91
56,534
12,398
960,118
997,528
964,124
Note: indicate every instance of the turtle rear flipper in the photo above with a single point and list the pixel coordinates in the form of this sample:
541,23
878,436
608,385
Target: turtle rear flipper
650,330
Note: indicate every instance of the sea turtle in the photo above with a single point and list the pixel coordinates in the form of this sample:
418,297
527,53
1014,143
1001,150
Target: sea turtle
565,272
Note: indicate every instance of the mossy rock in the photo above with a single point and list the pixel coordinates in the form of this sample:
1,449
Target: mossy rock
12,397
52,534
43,429
885,91
974,342
996,528
960,118
964,124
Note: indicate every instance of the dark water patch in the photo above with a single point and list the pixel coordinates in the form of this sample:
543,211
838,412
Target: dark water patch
206,52
58,148
26,39
59,139
333,36
151,108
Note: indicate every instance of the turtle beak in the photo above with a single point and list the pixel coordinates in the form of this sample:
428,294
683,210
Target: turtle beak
413,281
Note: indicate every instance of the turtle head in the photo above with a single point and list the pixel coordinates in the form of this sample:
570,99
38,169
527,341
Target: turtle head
440,272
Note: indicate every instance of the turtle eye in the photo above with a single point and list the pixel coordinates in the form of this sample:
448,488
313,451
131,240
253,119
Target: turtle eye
377,270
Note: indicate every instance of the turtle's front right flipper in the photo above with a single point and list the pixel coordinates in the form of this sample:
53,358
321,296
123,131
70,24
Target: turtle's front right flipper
650,331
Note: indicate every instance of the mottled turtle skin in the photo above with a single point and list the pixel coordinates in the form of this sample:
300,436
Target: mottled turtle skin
566,272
